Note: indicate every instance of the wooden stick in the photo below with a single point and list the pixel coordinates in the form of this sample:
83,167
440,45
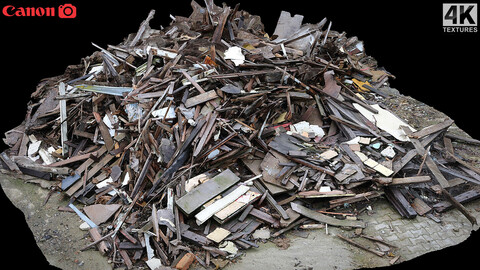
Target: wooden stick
96,241
378,253
377,240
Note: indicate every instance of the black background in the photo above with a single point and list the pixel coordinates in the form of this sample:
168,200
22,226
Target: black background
407,38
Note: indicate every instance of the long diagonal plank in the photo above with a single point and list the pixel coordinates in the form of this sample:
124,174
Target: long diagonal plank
324,218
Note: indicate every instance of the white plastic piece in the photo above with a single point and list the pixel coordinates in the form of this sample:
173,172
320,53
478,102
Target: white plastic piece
235,54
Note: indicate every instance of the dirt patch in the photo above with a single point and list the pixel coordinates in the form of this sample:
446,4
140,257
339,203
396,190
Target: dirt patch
420,115
56,233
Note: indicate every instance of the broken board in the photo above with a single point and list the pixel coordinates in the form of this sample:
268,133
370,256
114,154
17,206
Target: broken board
206,191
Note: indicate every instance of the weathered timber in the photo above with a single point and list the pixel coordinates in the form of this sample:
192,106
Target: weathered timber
324,218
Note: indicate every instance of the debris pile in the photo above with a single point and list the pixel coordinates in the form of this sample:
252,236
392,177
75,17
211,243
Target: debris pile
197,141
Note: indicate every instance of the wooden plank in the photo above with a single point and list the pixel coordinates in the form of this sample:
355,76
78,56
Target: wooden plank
459,207
464,163
90,161
420,206
215,250
205,135
126,258
150,95
27,163
196,238
399,164
403,180
201,98
206,191
235,207
63,118
377,240
313,166
270,166
83,134
129,245
142,175
357,198
461,198
217,34
265,217
318,194
197,86
109,144
346,148
289,227
345,128
453,182
324,218
396,198
10,164
218,205
74,159
303,181
101,164
462,139
128,236
245,213
376,252
293,216
218,235
431,129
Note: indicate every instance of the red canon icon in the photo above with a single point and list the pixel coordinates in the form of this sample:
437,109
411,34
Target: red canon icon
67,11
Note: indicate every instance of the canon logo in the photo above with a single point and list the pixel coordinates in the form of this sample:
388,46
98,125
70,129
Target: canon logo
64,11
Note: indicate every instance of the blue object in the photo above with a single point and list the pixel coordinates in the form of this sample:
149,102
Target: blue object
82,216
68,181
